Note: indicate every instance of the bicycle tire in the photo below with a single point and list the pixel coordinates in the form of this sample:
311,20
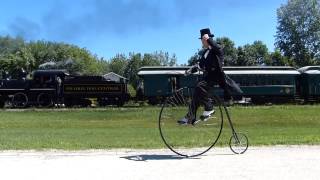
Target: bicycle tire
188,140
239,143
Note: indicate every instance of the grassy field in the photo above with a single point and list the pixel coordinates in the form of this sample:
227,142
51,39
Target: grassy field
78,129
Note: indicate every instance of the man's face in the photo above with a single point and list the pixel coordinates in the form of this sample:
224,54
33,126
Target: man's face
204,41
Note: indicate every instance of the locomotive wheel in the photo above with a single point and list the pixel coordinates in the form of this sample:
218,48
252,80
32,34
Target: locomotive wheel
120,102
44,100
2,102
85,102
19,100
68,102
101,102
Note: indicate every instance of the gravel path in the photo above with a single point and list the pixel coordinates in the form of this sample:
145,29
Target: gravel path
280,162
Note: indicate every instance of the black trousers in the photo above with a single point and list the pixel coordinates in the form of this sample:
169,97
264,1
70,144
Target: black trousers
201,96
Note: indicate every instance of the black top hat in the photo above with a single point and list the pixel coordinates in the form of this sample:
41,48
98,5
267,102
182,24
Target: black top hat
205,31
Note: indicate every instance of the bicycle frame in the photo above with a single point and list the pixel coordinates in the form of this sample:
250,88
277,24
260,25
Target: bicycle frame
224,106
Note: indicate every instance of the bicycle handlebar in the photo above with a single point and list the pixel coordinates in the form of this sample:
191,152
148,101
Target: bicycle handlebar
193,69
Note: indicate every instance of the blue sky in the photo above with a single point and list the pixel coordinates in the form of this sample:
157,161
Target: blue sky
109,27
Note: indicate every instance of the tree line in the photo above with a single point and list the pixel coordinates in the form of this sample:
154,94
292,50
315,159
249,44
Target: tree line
15,54
297,44
297,40
255,54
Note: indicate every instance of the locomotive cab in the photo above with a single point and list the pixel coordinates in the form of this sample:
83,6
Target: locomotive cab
48,78
49,85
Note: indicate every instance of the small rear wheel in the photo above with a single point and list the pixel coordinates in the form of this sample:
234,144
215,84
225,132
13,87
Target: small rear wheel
238,143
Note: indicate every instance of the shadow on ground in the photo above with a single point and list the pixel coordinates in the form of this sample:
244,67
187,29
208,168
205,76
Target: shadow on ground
154,157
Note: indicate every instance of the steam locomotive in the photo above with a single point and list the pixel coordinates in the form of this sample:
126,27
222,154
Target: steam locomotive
56,87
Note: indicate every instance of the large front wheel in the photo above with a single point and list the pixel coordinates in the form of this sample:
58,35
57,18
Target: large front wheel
189,140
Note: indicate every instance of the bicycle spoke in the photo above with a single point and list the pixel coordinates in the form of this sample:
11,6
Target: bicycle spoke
187,140
180,97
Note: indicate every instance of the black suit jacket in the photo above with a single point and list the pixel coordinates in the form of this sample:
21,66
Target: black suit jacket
212,64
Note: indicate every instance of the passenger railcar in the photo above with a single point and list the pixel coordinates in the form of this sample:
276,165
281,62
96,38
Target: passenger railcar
309,83
260,84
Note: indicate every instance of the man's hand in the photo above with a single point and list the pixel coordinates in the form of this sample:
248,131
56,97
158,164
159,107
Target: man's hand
191,70
188,72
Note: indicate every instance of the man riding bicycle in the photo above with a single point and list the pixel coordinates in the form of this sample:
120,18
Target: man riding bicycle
211,64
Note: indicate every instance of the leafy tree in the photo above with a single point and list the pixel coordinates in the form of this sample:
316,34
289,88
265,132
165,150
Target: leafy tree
118,64
230,52
278,60
248,55
15,54
70,57
131,71
173,60
242,60
102,66
43,52
165,59
193,59
150,60
10,45
137,60
256,54
298,31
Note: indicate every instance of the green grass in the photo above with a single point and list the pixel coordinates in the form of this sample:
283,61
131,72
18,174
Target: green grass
108,128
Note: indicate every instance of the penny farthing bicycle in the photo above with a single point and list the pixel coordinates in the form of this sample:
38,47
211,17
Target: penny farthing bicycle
195,140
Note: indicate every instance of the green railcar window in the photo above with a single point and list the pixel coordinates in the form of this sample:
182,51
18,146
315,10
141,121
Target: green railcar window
287,82
269,80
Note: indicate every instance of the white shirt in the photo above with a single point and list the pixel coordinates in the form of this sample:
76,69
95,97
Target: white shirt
206,54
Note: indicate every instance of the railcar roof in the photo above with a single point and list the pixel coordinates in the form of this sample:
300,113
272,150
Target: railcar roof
154,68
310,70
263,72
228,70
246,72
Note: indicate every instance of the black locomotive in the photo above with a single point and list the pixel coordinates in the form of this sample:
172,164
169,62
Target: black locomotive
56,87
